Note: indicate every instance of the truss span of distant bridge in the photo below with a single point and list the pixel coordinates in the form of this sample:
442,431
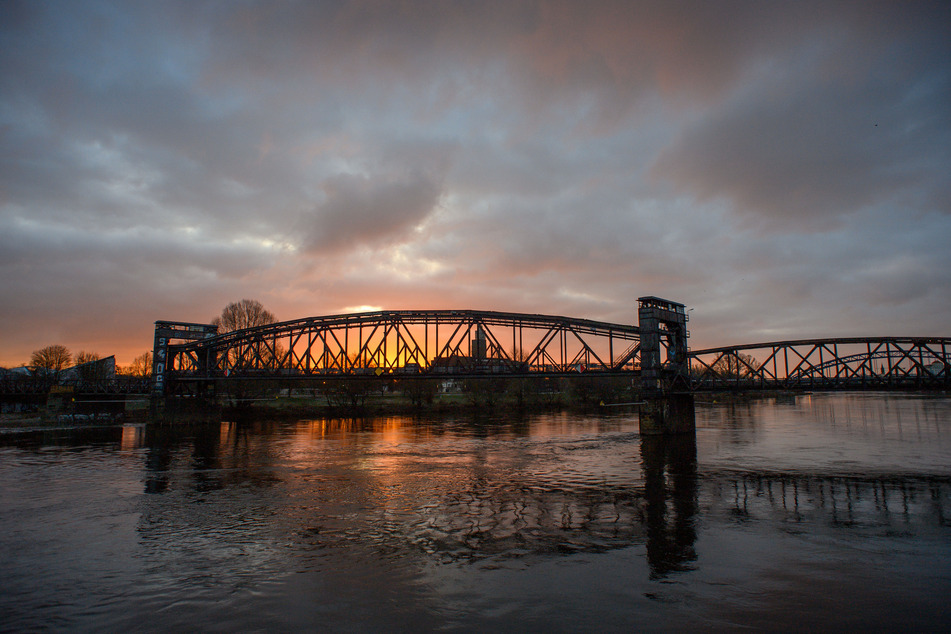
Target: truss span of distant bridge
866,363
448,344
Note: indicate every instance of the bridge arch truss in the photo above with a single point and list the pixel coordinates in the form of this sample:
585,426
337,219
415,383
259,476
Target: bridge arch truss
464,343
824,364
435,343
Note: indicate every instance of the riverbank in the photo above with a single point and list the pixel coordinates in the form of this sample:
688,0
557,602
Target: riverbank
398,403
378,404
30,421
395,404
299,407
22,420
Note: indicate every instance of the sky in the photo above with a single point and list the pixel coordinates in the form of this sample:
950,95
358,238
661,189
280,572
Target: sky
783,169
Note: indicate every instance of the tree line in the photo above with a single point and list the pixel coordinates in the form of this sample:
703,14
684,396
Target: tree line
51,361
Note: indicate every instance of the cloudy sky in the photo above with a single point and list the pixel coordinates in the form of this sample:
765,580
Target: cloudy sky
784,169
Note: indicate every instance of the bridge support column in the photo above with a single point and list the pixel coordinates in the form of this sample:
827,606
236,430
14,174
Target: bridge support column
663,323
667,415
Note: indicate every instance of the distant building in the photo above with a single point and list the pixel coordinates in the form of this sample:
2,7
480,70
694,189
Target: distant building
98,370
13,373
936,369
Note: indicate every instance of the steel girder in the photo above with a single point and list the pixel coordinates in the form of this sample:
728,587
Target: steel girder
844,363
435,343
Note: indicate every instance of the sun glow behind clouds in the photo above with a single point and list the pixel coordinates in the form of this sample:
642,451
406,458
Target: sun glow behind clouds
590,298
402,262
362,309
263,244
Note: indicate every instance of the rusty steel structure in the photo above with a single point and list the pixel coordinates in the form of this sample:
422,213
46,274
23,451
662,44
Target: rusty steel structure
470,343
851,363
437,343
194,359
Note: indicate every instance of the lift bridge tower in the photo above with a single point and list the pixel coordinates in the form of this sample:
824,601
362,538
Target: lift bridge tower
669,406
165,333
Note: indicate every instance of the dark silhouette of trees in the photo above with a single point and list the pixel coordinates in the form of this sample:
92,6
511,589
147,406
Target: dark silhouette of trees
257,356
91,367
246,313
49,362
249,313
484,391
420,391
349,393
142,365
86,357
735,366
593,389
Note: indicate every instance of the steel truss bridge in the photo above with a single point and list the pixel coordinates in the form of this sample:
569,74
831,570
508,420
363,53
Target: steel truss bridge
420,344
448,344
875,363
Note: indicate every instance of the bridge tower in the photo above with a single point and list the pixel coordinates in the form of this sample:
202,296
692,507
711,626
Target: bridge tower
669,407
661,319
165,333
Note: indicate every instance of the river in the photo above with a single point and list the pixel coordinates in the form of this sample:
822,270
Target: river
822,511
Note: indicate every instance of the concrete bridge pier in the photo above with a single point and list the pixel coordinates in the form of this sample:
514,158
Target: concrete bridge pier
171,410
667,415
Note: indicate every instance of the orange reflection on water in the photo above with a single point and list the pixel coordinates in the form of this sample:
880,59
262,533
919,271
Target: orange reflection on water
132,437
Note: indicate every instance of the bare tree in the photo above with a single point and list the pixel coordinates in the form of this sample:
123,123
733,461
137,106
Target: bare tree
86,357
421,391
734,365
248,313
89,370
244,314
50,361
142,365
348,393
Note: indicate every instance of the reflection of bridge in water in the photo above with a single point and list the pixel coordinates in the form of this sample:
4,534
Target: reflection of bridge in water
494,517
444,344
499,516
876,501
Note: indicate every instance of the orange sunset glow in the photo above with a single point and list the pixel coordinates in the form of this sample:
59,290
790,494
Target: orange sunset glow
780,168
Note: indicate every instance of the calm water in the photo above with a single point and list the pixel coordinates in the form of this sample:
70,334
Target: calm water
823,511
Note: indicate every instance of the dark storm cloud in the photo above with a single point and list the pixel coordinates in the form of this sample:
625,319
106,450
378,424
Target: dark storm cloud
859,118
363,211
94,288
783,167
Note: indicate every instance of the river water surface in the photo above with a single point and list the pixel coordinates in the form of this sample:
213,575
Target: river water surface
814,512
